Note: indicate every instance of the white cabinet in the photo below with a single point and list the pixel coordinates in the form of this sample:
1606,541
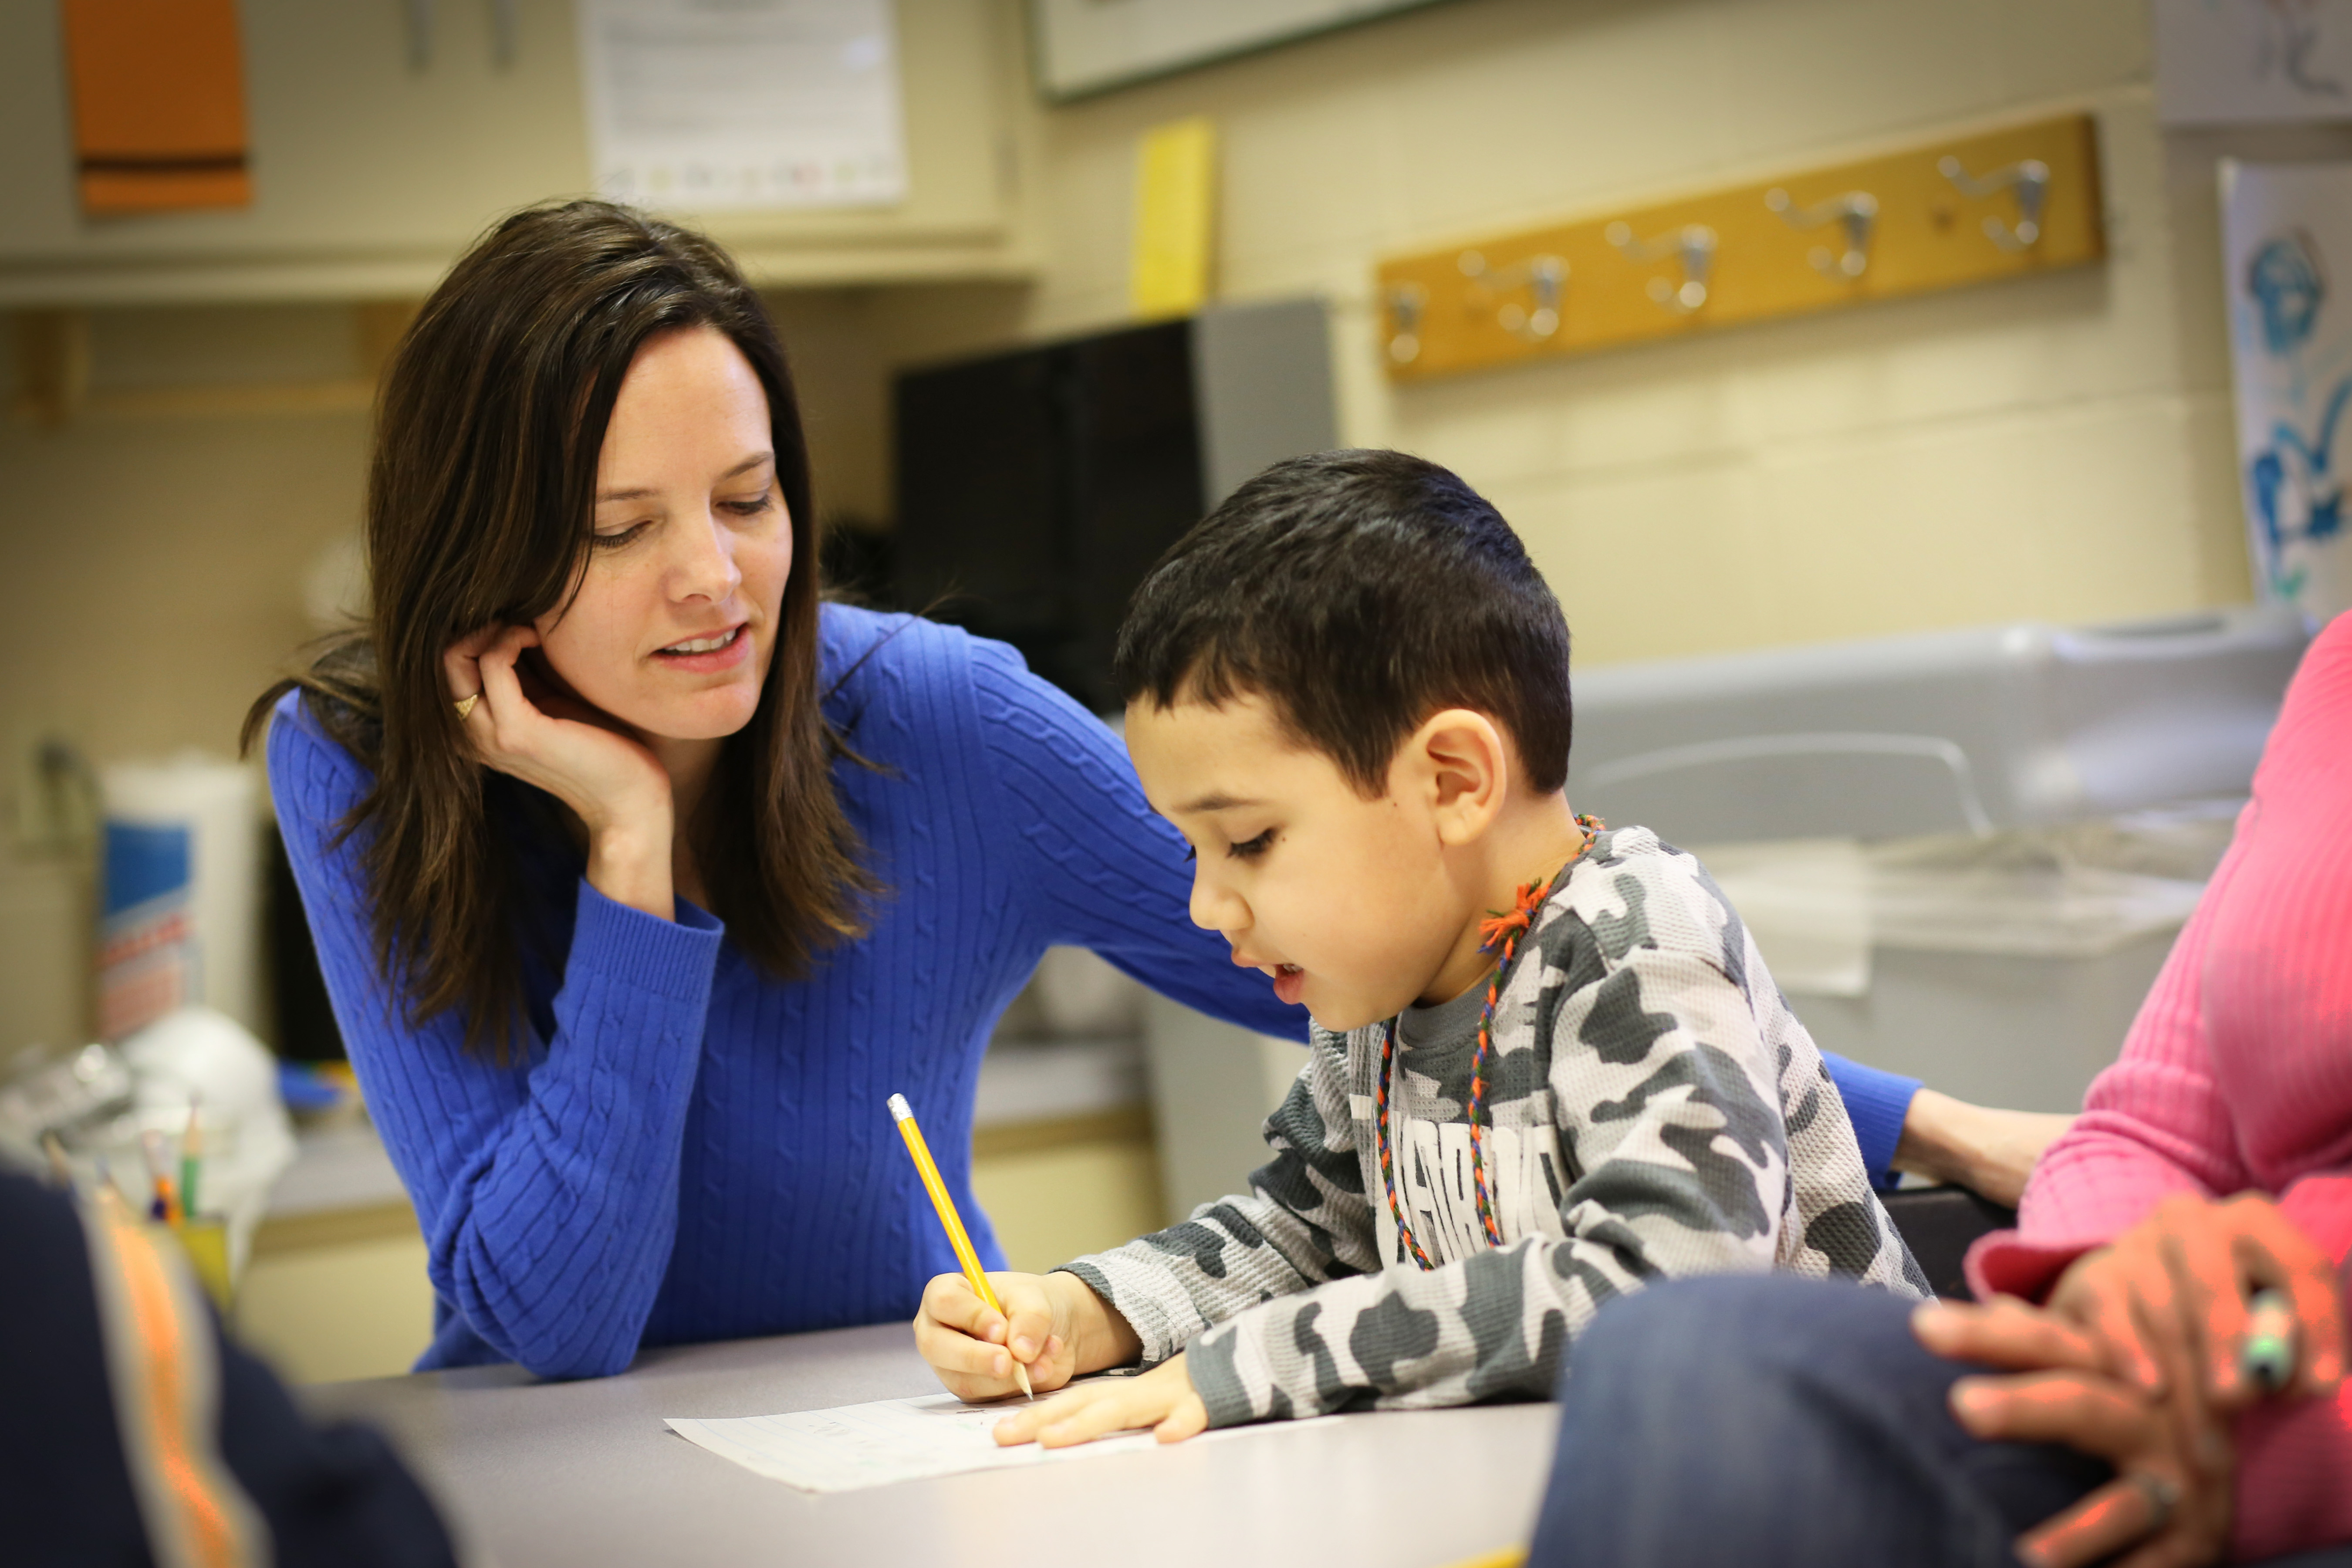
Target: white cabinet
370,176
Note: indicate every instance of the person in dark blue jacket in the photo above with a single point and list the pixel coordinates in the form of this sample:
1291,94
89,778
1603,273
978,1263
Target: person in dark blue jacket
641,877
137,1434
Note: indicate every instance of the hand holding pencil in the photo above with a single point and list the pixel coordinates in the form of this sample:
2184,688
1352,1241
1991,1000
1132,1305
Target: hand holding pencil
975,1278
987,1335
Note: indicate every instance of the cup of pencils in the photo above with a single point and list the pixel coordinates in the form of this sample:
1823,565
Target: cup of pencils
178,1189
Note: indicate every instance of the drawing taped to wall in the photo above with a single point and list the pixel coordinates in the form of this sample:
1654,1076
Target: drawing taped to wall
2288,241
2222,62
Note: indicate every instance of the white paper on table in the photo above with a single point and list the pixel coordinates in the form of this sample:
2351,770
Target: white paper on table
753,103
891,1440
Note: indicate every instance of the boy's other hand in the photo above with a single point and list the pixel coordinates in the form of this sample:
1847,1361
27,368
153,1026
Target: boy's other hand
1161,1399
1052,1323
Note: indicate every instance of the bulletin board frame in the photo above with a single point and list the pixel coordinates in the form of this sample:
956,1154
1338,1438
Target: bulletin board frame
1081,48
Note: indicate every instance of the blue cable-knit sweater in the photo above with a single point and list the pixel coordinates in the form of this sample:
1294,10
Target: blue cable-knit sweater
693,1151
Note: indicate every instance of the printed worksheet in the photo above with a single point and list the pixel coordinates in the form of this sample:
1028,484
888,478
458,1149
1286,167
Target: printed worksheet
892,1440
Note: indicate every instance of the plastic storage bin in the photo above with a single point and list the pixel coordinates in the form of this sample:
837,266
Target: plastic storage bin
2002,956
2011,726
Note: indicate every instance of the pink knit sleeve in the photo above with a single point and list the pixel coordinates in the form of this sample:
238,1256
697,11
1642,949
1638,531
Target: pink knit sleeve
2152,1125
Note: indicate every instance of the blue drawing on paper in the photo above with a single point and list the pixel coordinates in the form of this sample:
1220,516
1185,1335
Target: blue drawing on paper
2296,496
2290,36
2287,286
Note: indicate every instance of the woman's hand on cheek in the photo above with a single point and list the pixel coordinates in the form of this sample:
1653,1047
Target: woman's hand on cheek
524,727
1161,1399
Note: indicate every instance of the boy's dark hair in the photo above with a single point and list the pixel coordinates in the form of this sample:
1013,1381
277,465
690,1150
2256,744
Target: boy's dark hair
1358,592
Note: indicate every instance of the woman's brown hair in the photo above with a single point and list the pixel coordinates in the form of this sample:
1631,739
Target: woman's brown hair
480,510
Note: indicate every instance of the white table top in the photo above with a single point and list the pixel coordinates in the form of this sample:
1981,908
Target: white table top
585,1474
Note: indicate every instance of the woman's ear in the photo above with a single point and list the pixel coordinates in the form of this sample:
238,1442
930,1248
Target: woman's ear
1464,772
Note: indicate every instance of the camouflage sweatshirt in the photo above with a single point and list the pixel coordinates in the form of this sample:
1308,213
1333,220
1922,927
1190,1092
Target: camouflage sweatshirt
1653,1110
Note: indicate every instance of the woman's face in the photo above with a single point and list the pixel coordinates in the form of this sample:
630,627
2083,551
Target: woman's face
676,620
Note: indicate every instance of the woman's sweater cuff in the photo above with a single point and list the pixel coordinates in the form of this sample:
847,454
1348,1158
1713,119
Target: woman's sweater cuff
1876,1102
669,957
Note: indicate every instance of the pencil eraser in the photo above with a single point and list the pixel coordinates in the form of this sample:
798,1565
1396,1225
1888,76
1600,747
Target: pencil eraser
899,1109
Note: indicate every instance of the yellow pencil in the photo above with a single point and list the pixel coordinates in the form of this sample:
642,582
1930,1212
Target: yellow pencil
901,1112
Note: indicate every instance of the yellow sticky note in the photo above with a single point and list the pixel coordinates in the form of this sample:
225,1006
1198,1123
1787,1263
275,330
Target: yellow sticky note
1175,219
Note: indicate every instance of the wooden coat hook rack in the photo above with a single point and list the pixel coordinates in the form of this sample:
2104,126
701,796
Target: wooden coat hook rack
1943,214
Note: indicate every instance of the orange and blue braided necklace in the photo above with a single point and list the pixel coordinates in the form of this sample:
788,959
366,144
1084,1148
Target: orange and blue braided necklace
1500,930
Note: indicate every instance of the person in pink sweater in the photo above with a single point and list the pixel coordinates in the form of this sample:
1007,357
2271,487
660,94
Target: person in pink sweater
2095,1404
2236,1079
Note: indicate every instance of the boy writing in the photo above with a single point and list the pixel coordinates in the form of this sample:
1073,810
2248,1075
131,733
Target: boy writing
1549,1064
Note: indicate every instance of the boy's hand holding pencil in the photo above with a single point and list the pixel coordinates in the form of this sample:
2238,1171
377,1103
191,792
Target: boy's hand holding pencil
974,1346
989,1335
1059,1330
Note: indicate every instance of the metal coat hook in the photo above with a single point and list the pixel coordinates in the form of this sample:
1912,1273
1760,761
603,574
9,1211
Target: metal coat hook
2029,177
1406,303
419,25
1695,243
503,29
1856,210
1544,276
418,15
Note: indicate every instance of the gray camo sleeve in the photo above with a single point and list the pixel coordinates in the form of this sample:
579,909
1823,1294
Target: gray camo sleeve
1666,1100
1303,1223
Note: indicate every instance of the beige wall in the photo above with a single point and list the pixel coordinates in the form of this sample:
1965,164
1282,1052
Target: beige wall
2053,448
155,567
2057,447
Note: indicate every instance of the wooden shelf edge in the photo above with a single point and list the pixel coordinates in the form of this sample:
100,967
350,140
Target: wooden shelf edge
222,400
282,1234
247,280
1123,1124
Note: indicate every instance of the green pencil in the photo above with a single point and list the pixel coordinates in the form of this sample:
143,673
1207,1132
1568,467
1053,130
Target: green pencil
192,1154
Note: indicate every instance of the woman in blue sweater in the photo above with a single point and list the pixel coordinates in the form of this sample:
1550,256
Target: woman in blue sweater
640,876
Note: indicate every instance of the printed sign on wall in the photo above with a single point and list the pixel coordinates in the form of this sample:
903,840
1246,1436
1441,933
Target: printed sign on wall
2287,246
697,106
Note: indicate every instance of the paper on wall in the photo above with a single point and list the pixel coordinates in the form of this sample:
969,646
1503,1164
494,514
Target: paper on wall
891,1440
703,107
2223,62
2286,232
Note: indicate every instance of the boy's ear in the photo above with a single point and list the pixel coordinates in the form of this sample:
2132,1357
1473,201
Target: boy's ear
1463,771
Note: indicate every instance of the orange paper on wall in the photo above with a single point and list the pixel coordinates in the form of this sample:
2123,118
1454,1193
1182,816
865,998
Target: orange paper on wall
158,104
